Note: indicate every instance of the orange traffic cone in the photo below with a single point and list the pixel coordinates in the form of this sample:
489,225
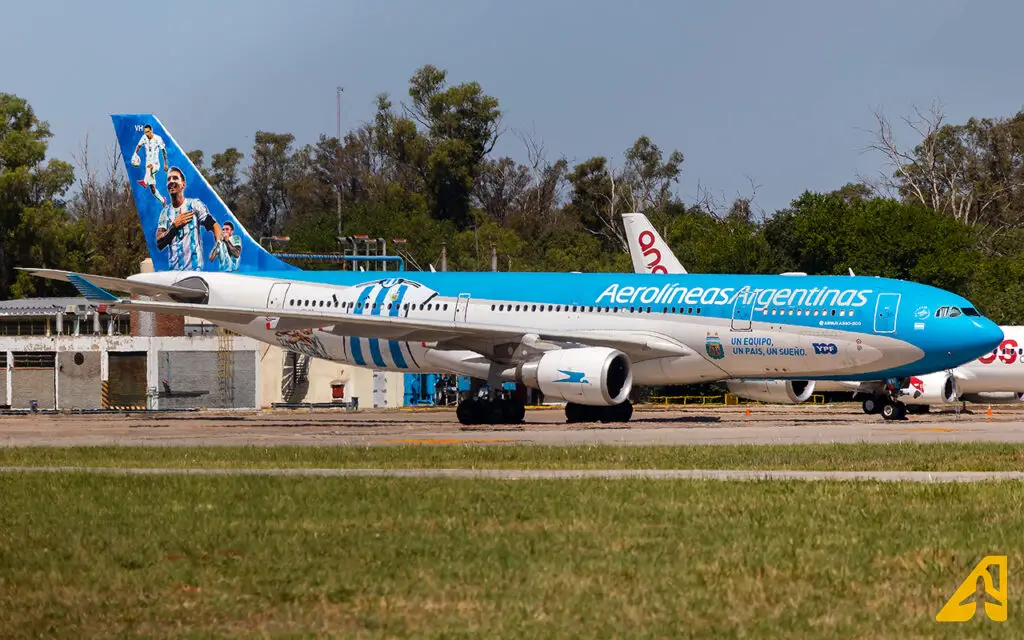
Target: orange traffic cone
989,414
748,416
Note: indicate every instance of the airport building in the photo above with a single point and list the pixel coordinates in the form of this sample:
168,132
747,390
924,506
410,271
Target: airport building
72,354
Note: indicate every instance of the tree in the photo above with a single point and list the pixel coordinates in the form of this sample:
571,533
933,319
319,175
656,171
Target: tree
104,210
35,229
459,128
601,194
223,177
266,192
973,172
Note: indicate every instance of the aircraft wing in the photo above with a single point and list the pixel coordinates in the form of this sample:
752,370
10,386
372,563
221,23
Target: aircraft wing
159,291
638,345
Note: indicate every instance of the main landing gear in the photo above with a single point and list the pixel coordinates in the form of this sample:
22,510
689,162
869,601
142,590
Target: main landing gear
490,411
892,409
589,413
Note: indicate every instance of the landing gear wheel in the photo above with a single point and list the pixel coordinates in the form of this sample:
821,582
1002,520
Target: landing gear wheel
871,405
467,412
576,413
518,412
894,410
618,413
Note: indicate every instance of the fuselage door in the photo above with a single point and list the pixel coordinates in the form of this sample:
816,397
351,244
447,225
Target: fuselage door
278,292
742,311
885,312
461,306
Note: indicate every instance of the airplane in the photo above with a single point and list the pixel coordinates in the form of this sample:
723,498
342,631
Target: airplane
994,378
585,338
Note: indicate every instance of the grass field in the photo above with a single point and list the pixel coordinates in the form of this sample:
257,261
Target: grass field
846,457
83,555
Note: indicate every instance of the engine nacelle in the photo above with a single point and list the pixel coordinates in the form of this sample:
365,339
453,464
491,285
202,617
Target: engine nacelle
993,397
587,375
932,389
782,391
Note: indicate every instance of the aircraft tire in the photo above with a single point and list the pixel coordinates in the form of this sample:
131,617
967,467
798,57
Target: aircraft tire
467,412
871,405
894,410
518,412
618,413
575,413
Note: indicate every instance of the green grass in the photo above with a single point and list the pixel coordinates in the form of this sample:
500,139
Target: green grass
85,555
891,456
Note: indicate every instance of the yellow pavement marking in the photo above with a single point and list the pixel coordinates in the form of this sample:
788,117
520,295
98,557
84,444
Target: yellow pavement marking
448,440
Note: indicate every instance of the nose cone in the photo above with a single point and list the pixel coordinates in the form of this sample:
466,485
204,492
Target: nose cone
980,337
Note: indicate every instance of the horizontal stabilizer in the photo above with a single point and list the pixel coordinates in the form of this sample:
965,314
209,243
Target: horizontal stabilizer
90,291
159,291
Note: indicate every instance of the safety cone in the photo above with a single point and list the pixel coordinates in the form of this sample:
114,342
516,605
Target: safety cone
989,414
748,416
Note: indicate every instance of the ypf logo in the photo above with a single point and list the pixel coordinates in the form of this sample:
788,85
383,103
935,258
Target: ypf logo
647,247
825,348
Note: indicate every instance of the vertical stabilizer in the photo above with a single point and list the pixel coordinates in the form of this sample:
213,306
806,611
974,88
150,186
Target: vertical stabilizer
650,254
186,224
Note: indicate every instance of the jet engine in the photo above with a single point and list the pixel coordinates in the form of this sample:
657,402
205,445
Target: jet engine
782,391
587,375
932,389
993,397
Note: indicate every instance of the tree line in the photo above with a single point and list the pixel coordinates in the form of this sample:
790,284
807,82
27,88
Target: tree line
948,212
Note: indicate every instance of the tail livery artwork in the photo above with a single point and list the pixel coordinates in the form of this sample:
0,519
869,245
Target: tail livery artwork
994,378
187,225
585,338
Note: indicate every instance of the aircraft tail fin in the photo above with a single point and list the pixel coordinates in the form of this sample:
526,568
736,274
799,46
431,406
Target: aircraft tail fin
649,252
186,224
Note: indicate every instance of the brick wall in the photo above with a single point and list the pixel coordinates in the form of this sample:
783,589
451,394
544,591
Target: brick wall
207,379
78,377
33,384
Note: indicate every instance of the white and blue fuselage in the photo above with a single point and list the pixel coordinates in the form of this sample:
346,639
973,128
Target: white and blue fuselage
795,327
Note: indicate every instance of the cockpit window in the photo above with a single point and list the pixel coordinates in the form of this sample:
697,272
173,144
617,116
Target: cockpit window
942,312
970,311
954,312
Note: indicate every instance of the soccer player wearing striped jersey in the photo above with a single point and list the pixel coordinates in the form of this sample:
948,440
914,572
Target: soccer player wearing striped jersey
179,229
228,249
153,144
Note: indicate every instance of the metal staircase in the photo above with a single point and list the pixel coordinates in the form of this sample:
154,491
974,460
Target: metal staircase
296,371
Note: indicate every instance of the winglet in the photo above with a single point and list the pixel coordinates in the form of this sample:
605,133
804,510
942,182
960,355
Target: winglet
90,291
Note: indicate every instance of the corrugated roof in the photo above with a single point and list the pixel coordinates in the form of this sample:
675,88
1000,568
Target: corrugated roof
41,306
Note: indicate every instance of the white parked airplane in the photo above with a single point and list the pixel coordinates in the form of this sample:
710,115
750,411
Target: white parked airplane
996,377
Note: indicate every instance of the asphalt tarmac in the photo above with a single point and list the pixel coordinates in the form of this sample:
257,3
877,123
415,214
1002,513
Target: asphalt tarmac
766,424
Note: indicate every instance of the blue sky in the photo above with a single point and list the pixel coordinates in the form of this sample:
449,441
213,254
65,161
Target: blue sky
775,92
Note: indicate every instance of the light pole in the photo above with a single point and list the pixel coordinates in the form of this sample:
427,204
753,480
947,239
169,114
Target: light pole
337,161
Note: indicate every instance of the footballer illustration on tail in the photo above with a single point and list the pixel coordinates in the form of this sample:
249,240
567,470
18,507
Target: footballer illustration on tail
189,229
